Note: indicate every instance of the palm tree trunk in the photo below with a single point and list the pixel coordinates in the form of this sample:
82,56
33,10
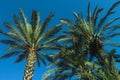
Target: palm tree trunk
29,69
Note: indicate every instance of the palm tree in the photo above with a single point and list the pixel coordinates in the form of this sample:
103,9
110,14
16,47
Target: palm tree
72,65
27,40
87,37
67,62
94,31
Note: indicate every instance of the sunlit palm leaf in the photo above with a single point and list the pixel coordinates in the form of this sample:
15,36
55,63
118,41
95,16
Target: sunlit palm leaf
48,73
50,33
22,29
13,29
11,35
67,22
24,19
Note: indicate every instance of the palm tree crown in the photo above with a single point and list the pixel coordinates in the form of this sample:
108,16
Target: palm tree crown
28,39
95,32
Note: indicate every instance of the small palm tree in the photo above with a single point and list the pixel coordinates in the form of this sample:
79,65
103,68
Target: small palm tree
68,62
71,65
28,39
94,31
105,71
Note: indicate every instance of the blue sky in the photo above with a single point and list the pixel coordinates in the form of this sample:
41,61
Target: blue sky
61,8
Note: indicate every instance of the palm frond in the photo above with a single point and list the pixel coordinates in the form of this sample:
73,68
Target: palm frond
24,19
38,62
44,25
36,34
50,46
89,13
34,19
110,12
56,39
116,27
13,29
26,25
41,59
107,26
117,56
51,32
95,15
68,23
12,47
10,54
53,63
19,24
20,57
117,60
113,35
48,73
10,35
22,29
11,42
49,57
82,26
108,42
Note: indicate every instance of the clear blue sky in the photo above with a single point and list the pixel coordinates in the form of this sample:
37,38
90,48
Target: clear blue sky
61,8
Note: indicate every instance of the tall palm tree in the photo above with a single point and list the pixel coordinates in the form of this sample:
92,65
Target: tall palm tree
27,40
95,31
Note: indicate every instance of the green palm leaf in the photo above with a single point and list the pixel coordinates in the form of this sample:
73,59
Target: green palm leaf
20,58
24,19
110,12
14,30
108,42
35,19
10,54
21,28
96,14
48,73
44,25
41,59
107,26
50,33
68,23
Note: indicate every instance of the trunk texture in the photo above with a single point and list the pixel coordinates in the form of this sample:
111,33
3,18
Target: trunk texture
29,69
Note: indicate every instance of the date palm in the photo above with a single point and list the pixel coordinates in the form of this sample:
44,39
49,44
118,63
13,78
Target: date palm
95,31
87,37
27,40
68,63
71,65
105,71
